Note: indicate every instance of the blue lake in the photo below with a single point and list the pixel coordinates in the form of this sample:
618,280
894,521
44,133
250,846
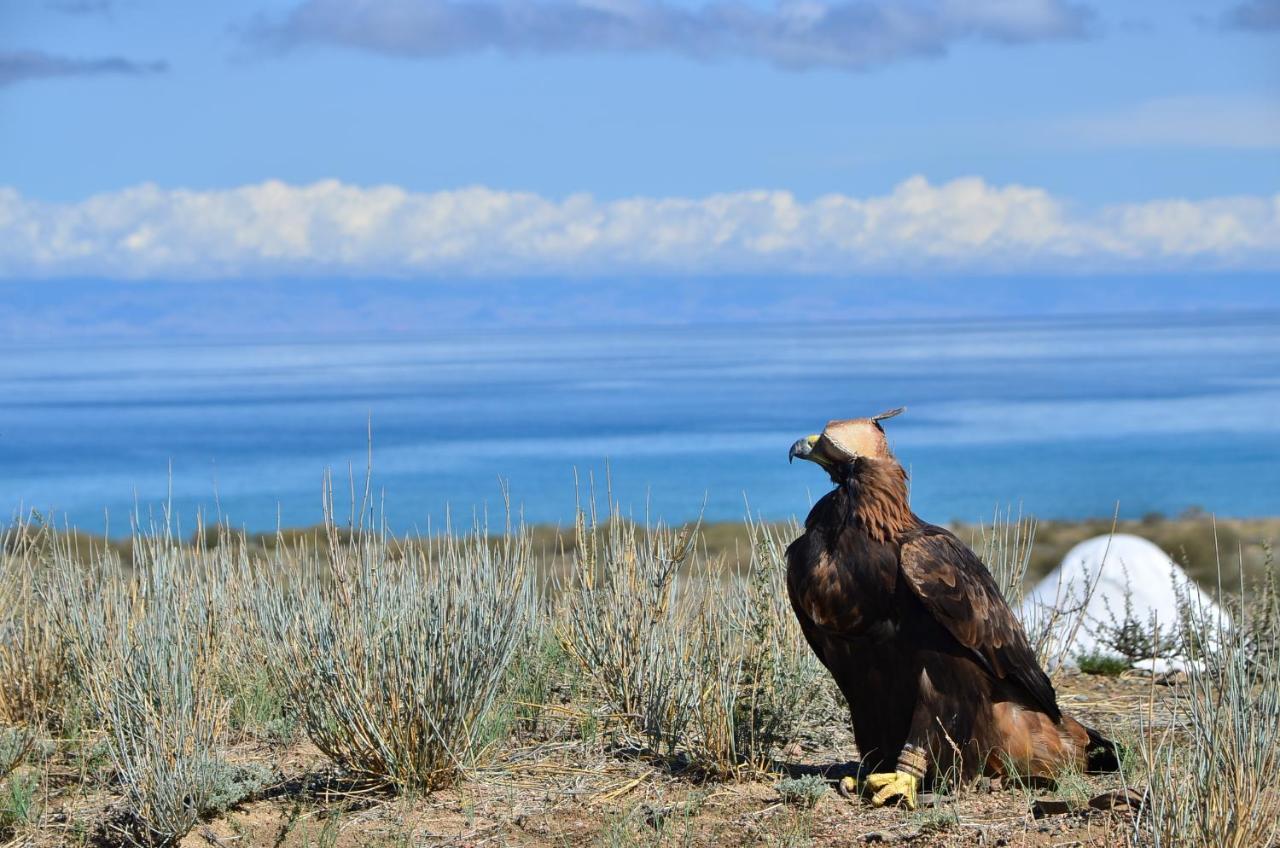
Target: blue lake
1063,418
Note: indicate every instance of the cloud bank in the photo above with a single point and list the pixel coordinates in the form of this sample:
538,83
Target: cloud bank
80,7
22,65
1261,15
331,229
1193,121
794,34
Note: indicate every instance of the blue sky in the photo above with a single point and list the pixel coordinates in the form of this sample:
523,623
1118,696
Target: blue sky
330,170
149,140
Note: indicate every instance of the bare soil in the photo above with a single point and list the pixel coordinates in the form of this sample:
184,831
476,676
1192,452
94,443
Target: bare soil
547,791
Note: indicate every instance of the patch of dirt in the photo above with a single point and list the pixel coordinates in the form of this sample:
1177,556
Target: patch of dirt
561,794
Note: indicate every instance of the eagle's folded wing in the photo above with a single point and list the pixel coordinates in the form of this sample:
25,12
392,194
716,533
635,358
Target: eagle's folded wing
961,595
797,554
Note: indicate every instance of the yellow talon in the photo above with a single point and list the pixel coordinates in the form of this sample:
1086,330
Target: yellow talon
848,787
893,784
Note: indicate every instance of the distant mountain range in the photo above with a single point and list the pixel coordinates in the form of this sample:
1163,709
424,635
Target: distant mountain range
66,310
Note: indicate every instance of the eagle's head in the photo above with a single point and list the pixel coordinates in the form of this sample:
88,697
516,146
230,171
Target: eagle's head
844,442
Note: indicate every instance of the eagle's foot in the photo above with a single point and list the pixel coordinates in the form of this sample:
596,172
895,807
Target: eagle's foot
889,785
848,786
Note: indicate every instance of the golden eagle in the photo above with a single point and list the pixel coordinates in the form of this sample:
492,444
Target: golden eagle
937,671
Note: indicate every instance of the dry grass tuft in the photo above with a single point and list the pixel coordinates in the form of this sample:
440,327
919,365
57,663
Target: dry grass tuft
394,662
711,673
630,628
1212,774
33,657
143,639
428,664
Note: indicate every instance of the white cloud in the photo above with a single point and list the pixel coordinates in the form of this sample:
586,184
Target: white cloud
1196,121
793,34
334,229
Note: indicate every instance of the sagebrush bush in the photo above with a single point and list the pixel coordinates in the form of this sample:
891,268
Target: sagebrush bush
713,670
393,659
144,641
33,656
1212,775
761,677
15,744
629,628
404,660
804,791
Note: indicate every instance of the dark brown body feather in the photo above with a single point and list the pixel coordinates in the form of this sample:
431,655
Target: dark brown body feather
918,637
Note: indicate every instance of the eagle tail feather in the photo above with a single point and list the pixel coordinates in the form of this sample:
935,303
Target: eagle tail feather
1102,755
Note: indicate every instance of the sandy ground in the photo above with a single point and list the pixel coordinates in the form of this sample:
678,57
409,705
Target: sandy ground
548,792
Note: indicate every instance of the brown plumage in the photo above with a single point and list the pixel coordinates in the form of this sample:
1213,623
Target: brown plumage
913,628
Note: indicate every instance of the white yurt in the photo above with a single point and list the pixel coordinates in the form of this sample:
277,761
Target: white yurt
1107,580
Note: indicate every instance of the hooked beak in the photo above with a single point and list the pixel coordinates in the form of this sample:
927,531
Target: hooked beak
803,448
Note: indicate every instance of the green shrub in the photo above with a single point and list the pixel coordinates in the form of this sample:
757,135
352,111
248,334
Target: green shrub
17,802
1107,665
234,784
803,791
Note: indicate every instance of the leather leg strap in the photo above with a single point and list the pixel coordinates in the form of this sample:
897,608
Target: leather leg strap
913,761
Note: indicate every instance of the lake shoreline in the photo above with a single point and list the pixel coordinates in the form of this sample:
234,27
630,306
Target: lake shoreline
1193,540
